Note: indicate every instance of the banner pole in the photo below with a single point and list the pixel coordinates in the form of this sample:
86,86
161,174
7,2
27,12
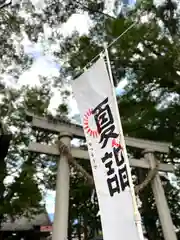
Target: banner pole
136,211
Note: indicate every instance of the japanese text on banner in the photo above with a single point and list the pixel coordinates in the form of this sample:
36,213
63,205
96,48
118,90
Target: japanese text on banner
117,178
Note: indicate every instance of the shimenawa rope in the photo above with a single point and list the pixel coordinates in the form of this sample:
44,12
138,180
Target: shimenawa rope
63,149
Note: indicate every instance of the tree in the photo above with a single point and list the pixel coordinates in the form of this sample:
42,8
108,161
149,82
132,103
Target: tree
20,170
13,61
82,209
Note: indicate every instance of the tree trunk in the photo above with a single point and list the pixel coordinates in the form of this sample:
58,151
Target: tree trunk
79,229
85,227
69,230
3,173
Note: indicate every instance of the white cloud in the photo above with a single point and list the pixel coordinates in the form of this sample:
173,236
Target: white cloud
30,48
50,201
43,65
109,7
56,100
38,4
29,77
73,106
47,30
158,3
122,84
77,22
14,2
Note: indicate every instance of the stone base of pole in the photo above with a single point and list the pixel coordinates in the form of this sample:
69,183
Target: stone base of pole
60,224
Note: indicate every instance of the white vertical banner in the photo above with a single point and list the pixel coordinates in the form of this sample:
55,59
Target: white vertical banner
94,95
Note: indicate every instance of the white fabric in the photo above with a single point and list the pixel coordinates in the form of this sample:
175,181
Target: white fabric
116,212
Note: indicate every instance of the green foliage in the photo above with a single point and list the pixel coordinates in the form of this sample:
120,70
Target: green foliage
23,174
19,190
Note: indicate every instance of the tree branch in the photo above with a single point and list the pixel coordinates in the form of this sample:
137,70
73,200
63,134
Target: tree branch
93,10
5,4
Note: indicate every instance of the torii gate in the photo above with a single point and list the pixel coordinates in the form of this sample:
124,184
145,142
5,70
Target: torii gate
67,132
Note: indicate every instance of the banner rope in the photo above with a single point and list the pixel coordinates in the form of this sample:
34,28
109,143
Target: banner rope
150,176
110,44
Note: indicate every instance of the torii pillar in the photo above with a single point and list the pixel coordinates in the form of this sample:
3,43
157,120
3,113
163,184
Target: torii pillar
161,202
60,224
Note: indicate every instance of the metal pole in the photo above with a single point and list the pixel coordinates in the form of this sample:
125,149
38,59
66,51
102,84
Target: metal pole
60,224
161,202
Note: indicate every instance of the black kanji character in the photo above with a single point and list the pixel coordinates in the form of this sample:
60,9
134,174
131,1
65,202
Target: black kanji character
103,116
110,168
118,157
106,134
106,156
113,185
104,121
123,177
108,162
